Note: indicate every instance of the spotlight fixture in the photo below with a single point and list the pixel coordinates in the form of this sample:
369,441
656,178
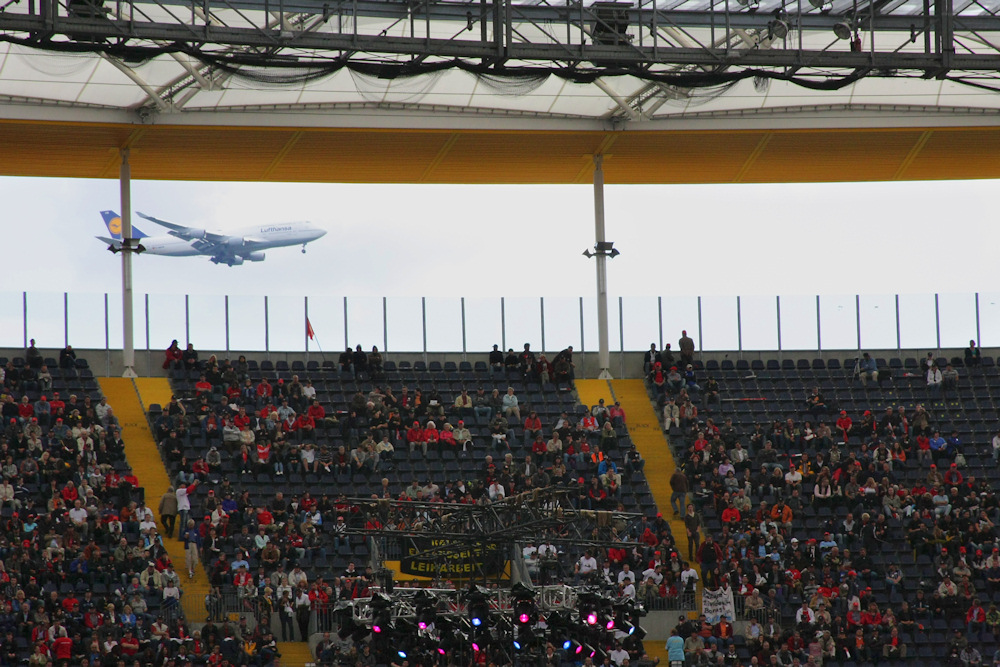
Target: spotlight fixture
603,248
842,30
479,607
779,29
127,245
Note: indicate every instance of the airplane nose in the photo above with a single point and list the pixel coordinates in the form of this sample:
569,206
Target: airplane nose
320,233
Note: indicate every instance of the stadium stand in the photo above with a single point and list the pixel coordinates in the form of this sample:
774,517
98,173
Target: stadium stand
852,514
84,575
272,452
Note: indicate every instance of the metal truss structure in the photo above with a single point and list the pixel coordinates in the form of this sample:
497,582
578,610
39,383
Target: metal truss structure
450,603
465,532
671,47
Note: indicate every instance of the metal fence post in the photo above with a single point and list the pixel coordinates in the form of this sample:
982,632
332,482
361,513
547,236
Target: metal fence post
701,335
777,313
149,354
107,336
347,339
857,316
24,317
659,310
937,318
305,310
899,337
464,342
423,320
739,327
978,333
503,325
819,329
621,335
267,330
187,320
385,325
582,346
65,319
227,323
541,305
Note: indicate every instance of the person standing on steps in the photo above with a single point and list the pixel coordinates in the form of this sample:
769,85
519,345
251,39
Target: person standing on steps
192,544
168,511
183,494
692,523
679,489
303,609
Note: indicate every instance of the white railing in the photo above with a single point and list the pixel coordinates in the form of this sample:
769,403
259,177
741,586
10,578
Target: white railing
431,324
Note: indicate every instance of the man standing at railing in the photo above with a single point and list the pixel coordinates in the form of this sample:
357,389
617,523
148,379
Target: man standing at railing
686,346
303,609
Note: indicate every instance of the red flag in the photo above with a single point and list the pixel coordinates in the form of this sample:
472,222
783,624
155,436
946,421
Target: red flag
309,329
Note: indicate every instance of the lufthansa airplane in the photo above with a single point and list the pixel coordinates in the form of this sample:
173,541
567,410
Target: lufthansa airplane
243,245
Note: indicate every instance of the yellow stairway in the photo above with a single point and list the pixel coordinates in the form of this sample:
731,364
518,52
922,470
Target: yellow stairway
295,654
645,431
144,457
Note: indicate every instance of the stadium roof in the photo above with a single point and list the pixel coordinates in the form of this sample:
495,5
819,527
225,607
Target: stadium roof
502,90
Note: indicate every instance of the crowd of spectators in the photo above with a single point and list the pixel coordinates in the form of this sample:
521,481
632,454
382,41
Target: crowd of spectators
273,552
846,537
84,576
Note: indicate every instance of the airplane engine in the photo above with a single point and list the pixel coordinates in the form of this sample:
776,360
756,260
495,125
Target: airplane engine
235,242
254,257
197,233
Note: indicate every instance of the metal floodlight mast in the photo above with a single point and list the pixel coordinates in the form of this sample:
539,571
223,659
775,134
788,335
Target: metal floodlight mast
603,250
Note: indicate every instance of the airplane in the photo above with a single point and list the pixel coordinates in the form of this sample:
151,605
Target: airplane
243,245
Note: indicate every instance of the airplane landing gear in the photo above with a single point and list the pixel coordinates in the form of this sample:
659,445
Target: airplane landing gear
303,248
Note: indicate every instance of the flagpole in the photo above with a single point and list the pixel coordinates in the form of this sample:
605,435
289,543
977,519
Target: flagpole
311,335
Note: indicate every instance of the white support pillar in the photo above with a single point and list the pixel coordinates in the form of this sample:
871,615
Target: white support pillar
128,344
603,352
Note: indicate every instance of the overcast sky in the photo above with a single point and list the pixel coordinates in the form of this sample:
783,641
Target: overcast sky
522,242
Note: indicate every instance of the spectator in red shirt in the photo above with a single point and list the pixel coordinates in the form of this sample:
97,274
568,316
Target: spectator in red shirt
264,389
731,515
174,356
532,427
202,387
844,425
62,648
317,413
415,438
25,410
305,425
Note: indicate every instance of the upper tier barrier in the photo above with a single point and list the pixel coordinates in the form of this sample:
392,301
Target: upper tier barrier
273,325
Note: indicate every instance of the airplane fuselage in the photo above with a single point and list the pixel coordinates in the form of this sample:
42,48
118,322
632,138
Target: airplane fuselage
233,249
259,237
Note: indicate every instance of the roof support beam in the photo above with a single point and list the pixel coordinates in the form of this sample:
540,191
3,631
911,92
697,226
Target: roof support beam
139,81
619,100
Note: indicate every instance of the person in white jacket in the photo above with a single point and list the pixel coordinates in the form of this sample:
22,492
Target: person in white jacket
184,501
934,380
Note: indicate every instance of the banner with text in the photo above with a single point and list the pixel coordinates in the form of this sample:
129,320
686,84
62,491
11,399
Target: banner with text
428,557
718,603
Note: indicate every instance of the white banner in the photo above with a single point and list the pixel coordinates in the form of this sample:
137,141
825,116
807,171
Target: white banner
718,603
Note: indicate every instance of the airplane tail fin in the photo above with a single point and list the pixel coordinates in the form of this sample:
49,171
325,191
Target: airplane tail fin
114,224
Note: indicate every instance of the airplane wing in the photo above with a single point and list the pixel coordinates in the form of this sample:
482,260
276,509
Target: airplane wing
114,243
180,231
